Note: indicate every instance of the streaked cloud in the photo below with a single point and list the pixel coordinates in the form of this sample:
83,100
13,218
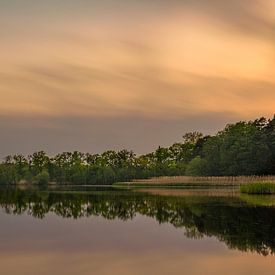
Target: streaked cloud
158,60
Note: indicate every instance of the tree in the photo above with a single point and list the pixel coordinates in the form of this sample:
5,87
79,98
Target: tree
197,167
192,137
42,178
240,149
269,136
38,161
243,148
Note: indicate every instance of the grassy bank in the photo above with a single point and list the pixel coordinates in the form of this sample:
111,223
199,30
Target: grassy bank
259,188
199,181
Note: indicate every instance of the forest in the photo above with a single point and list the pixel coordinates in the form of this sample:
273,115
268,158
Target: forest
243,148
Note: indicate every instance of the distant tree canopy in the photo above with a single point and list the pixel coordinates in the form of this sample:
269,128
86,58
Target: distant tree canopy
243,148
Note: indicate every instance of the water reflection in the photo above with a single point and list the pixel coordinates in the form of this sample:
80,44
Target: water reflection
240,222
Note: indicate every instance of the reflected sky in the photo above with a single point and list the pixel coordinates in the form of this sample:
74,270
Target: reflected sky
118,231
94,245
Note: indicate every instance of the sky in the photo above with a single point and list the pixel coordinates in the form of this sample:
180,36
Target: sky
95,75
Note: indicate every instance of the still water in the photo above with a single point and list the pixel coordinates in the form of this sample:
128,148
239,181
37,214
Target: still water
88,230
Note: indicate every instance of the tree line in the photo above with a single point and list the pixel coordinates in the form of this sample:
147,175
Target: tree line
243,148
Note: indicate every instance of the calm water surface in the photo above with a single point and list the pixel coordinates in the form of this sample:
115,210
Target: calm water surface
88,230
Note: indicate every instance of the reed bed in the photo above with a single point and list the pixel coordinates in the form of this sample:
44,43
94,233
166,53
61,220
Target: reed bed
192,192
258,188
187,180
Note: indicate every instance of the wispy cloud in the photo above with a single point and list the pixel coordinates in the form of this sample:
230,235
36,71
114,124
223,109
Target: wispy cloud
154,60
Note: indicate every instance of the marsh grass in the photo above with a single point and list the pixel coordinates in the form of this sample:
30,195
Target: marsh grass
200,181
258,188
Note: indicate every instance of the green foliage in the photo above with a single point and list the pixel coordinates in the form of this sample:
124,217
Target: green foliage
243,148
240,149
258,188
8,174
197,166
43,177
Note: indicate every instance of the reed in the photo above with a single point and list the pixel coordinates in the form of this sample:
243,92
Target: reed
187,180
258,188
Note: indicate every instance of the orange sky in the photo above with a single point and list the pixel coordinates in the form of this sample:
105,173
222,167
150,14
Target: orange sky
165,60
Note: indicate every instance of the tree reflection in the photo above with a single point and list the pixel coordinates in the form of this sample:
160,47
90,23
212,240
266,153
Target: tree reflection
239,224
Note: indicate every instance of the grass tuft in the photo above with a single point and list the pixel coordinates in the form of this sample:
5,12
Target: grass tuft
258,188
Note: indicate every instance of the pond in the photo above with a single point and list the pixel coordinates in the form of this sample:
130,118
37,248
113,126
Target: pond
105,230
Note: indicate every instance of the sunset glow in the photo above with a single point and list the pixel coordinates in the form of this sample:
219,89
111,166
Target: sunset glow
165,60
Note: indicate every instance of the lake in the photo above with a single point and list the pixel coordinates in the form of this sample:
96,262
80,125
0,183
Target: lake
105,230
